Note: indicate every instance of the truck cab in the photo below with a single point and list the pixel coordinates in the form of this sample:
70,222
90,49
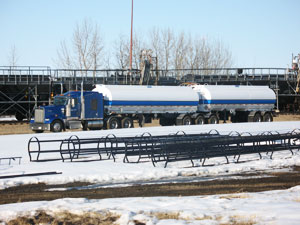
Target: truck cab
71,110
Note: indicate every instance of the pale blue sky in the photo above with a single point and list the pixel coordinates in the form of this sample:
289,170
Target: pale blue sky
259,33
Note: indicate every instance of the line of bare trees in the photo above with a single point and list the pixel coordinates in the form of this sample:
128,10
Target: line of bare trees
173,50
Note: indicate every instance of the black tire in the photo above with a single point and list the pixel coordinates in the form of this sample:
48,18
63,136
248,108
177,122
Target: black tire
187,120
213,119
200,120
113,123
56,126
268,117
127,122
39,131
257,118
19,116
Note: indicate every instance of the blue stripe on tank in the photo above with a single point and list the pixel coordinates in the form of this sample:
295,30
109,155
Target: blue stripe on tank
238,101
151,103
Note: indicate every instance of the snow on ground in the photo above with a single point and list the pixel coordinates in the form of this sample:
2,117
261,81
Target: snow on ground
271,207
8,118
264,207
107,172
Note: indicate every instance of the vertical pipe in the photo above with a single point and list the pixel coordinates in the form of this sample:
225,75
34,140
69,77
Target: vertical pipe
130,54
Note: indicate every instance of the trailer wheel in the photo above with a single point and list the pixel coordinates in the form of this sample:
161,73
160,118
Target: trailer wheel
257,118
268,117
56,126
127,122
113,123
187,120
213,119
200,120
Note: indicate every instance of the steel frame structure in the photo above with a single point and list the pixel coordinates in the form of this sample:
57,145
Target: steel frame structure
55,81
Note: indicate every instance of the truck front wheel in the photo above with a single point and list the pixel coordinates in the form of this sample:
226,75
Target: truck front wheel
56,126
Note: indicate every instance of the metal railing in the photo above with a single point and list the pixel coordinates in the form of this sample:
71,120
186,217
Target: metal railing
44,75
165,148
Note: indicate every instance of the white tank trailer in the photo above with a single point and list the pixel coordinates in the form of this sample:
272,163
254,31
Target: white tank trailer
178,105
240,103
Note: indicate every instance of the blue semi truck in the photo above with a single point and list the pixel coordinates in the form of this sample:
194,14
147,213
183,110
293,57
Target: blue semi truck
71,110
117,106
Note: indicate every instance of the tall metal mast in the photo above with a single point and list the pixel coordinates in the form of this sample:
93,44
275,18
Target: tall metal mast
130,54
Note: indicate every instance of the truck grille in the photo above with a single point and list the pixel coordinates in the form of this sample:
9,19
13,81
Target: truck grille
39,115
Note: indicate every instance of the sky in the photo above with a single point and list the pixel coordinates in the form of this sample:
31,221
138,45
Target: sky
259,33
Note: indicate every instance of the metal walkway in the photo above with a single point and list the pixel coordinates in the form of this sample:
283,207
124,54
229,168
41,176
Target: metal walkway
44,75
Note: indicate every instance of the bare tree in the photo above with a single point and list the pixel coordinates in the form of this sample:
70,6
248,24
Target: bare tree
13,56
156,46
180,51
175,51
63,57
137,46
167,47
204,54
87,48
121,52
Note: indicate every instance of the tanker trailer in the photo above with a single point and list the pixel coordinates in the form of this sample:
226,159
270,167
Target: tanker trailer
172,105
240,103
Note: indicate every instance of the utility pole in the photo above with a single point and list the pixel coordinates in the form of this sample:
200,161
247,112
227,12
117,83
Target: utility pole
130,53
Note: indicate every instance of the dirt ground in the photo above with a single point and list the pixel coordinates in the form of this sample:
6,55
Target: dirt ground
268,181
23,128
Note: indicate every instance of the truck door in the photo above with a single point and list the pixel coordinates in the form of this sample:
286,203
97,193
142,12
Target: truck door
94,106
75,109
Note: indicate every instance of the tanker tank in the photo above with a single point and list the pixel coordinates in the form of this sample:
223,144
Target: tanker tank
148,99
235,98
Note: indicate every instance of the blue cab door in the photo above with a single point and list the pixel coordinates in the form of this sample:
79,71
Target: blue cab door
75,107
94,105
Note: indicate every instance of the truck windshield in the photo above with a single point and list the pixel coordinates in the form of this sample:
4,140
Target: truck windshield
61,100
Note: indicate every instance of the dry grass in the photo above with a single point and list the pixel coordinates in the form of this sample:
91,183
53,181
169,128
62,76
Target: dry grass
297,200
241,220
107,218
66,218
233,196
233,220
166,215
176,216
